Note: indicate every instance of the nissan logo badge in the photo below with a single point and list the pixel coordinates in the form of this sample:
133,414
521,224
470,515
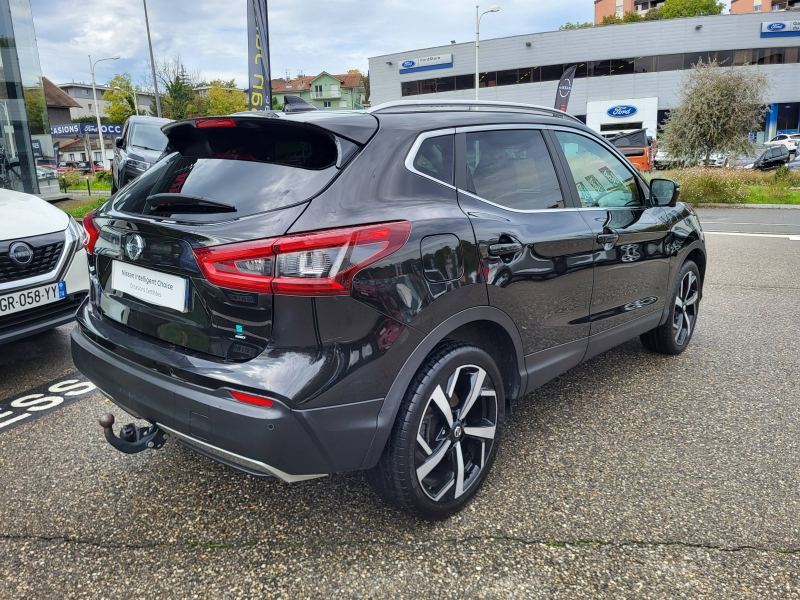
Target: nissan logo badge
134,246
21,253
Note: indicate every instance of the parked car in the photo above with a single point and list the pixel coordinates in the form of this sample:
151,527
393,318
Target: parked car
66,166
307,293
99,166
785,140
766,160
46,173
794,165
43,269
84,167
138,149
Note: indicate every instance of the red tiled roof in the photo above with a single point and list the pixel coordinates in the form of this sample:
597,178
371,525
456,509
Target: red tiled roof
348,80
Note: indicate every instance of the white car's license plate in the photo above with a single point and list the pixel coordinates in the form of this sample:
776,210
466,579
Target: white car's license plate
17,301
151,286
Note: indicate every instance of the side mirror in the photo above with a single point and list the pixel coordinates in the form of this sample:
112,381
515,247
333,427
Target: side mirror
118,142
664,192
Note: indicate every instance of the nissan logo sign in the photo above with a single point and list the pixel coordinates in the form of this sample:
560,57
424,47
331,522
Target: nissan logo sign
134,246
619,112
776,26
408,64
21,253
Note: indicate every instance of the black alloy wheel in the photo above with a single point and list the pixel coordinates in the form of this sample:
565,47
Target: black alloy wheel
675,334
445,437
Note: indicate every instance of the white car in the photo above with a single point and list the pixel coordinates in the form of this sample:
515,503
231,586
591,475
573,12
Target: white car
784,139
44,276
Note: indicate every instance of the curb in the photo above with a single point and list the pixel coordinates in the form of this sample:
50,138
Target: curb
771,206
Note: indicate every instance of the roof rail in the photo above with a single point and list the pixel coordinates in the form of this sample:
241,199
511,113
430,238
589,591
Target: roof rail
398,106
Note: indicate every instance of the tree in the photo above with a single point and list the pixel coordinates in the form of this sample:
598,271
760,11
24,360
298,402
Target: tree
719,108
221,99
120,101
673,9
575,25
35,107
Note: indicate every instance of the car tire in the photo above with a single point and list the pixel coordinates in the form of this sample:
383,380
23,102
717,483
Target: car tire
674,335
445,437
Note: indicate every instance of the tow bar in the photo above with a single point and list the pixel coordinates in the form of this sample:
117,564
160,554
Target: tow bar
132,439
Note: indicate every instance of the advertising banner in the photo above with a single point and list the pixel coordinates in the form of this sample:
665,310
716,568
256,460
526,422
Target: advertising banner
426,63
565,88
780,28
76,129
258,55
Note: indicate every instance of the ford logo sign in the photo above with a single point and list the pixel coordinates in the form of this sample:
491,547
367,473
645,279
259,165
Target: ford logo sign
776,26
619,112
407,64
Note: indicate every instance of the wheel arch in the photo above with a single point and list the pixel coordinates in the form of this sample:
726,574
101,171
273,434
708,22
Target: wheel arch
486,327
696,251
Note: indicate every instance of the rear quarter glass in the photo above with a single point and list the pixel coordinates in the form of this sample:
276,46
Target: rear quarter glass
253,170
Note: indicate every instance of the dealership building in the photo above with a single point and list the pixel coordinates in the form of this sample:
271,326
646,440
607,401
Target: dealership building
628,75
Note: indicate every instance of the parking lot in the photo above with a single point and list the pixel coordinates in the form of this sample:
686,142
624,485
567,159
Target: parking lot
634,475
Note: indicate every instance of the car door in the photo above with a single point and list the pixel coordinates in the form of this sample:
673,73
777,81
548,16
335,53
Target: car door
631,263
535,248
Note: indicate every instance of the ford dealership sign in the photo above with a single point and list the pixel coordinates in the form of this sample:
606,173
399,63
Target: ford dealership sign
407,64
622,111
780,28
427,63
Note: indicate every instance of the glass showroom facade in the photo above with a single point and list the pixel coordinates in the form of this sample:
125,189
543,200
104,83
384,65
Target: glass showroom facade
24,127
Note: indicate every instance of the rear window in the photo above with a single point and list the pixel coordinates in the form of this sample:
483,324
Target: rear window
252,170
148,136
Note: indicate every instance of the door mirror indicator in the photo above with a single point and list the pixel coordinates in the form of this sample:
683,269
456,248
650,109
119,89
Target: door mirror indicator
118,142
664,192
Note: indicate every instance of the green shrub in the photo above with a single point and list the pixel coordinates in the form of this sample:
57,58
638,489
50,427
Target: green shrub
73,178
705,184
103,176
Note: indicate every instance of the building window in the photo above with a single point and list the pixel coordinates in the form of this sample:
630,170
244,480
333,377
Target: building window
465,82
318,89
326,104
85,92
411,88
90,106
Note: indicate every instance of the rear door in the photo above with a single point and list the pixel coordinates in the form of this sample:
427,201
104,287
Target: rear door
631,266
535,248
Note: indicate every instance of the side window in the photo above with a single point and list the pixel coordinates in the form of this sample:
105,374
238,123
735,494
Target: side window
435,158
601,178
513,168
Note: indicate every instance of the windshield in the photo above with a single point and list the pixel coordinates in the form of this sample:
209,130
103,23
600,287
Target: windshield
148,137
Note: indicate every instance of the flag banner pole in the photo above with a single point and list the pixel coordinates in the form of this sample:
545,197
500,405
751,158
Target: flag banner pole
260,96
565,88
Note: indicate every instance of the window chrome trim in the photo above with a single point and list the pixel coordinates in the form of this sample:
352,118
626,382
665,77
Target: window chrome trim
71,246
503,127
517,210
415,148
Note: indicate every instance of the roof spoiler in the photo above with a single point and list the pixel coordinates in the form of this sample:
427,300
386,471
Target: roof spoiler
294,104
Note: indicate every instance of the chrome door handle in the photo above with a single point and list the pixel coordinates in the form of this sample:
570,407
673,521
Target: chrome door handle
607,238
503,249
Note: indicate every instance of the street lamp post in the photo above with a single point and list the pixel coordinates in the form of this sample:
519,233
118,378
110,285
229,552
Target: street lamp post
152,60
133,93
97,110
478,18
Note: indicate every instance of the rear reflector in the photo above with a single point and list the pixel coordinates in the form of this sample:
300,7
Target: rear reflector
321,263
92,231
215,122
251,399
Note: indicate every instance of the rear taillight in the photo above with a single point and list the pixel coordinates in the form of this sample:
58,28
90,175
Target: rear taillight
322,263
252,399
214,122
92,231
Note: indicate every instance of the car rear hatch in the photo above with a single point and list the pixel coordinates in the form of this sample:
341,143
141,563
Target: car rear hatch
228,184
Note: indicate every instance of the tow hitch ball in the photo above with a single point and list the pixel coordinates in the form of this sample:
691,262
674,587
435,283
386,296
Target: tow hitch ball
132,439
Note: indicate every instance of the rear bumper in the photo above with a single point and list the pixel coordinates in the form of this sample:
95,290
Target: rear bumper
288,443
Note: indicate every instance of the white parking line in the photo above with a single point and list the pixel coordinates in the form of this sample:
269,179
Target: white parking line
789,236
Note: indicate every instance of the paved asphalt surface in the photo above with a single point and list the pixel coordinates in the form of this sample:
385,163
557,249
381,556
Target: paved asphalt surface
751,220
634,475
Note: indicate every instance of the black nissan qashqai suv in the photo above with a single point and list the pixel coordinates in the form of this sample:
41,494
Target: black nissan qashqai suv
296,295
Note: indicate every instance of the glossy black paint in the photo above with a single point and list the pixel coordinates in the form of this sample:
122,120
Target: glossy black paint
538,310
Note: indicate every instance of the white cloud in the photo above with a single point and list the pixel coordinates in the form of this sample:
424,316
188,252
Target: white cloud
305,35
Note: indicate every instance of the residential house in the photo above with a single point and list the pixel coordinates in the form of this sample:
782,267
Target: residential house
749,6
58,103
82,94
325,91
618,8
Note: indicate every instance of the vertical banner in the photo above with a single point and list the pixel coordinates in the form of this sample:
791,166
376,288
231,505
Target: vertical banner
56,147
258,55
565,88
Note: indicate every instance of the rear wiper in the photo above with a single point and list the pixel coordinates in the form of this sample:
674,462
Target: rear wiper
186,204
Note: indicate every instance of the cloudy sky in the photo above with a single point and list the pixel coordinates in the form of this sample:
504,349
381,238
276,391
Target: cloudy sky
305,35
